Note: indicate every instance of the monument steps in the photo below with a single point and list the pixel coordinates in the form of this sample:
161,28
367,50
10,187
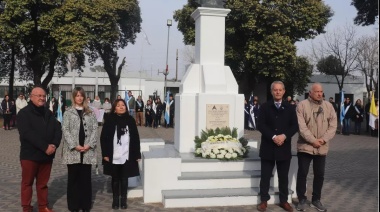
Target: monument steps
219,179
216,197
190,163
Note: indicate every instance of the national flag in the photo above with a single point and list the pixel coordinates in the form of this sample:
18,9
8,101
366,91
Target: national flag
167,109
59,110
126,99
373,114
154,106
251,119
341,107
146,37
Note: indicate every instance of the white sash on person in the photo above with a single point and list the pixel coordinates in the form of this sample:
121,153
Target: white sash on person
346,109
139,103
171,102
357,110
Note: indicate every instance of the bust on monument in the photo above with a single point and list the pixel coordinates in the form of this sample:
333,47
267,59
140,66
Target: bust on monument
211,3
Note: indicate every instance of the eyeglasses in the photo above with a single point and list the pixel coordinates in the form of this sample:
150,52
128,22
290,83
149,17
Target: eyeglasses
39,96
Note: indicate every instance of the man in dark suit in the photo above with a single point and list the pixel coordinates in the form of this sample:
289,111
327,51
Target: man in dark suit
277,124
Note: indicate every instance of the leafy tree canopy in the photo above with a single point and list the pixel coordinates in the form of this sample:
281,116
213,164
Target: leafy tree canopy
367,11
297,78
330,65
260,34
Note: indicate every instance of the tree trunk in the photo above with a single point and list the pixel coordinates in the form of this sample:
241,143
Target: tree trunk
52,61
114,87
12,73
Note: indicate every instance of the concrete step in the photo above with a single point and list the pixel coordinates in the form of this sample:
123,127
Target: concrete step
216,197
146,143
215,180
135,192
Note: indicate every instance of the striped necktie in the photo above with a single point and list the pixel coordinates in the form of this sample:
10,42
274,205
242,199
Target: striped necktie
278,104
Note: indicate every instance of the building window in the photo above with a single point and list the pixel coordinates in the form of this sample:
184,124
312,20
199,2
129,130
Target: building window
104,91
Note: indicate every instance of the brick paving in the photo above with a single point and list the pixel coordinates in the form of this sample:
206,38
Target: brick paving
351,181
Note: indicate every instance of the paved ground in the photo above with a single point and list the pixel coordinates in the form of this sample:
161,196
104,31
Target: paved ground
351,181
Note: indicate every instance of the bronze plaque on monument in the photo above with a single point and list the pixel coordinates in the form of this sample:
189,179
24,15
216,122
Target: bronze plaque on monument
217,115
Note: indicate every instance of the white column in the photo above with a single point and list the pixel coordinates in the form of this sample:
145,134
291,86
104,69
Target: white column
207,81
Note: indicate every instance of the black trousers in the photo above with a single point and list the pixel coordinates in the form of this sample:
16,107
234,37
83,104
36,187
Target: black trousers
79,188
7,120
304,161
171,119
157,120
120,179
283,181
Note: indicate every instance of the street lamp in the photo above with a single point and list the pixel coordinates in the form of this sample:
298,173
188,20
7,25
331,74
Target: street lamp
168,23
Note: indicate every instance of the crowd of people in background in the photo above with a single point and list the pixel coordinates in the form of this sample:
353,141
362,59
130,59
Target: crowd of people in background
148,114
352,113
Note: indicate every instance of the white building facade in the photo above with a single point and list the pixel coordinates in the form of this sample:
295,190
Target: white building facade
98,84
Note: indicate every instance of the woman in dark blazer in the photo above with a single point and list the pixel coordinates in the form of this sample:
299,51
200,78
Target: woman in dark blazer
120,143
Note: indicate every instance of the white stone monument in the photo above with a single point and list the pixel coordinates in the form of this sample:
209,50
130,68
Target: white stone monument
207,83
208,98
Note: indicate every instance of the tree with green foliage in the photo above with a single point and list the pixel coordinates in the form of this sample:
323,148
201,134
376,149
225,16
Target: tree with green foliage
113,24
297,78
261,35
98,29
367,11
22,25
52,32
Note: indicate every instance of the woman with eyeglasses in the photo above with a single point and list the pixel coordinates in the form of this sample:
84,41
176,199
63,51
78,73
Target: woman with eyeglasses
80,130
120,143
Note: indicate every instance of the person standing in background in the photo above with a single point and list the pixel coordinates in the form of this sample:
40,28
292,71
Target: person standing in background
366,111
96,103
20,102
7,114
107,107
131,103
139,111
13,112
358,116
348,114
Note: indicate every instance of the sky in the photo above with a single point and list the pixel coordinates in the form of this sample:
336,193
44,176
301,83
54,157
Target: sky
151,59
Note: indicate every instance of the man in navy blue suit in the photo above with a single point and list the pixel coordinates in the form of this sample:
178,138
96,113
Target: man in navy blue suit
277,123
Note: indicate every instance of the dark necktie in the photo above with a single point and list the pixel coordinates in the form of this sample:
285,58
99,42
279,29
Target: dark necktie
278,104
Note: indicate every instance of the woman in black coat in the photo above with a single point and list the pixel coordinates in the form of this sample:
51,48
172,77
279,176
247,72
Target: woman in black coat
7,113
120,143
358,116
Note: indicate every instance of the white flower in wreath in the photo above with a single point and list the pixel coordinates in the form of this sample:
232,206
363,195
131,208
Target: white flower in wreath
212,155
228,155
204,154
215,150
220,156
230,150
199,151
234,155
208,151
223,152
